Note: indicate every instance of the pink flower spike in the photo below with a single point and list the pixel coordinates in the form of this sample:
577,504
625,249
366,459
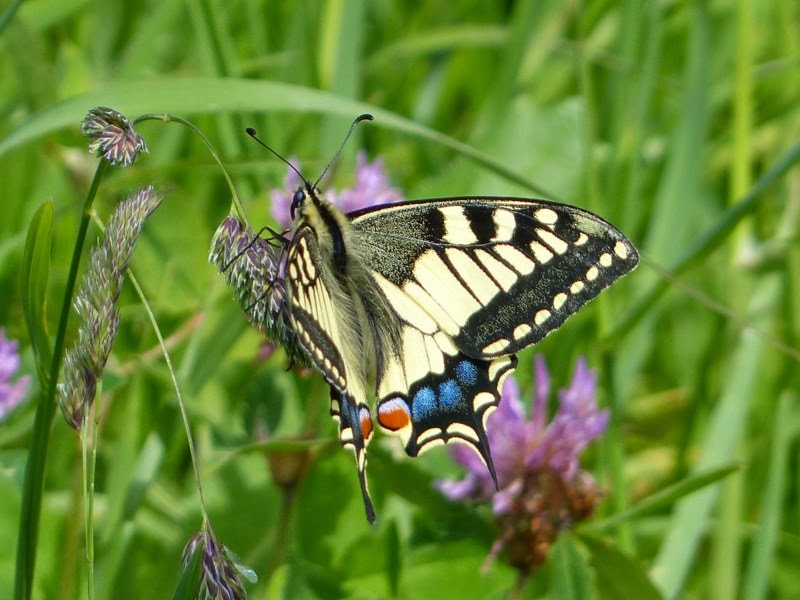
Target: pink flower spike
542,486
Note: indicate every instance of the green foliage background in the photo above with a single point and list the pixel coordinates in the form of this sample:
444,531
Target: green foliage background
677,121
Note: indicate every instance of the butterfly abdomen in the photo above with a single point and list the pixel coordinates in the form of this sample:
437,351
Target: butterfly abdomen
368,326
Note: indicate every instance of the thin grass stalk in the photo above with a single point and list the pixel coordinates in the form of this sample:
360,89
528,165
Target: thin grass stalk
611,445
341,39
88,435
761,562
725,562
181,402
236,203
726,550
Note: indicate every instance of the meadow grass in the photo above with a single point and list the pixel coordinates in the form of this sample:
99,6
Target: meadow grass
678,122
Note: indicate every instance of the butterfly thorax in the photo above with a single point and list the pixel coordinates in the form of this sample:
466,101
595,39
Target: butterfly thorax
370,329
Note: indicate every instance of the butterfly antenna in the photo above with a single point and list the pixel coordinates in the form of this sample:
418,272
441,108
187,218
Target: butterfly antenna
252,133
358,119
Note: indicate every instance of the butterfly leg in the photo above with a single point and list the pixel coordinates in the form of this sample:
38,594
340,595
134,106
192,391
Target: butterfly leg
355,431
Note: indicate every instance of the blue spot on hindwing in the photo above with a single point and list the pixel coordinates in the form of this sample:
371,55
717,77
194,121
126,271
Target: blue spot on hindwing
466,372
445,396
449,393
424,404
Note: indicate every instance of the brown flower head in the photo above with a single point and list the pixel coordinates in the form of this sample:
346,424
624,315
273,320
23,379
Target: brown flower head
111,135
221,576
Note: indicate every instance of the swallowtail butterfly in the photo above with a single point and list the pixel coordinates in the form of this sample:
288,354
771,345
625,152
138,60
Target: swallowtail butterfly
425,304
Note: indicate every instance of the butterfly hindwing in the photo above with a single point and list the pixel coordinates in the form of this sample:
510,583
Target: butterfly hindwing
318,325
450,405
496,274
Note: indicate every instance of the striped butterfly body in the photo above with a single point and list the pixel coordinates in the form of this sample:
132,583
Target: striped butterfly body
424,304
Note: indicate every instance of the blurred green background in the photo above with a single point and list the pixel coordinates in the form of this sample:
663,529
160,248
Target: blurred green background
677,121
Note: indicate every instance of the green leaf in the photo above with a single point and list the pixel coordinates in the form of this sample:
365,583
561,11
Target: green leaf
617,575
570,575
35,274
191,96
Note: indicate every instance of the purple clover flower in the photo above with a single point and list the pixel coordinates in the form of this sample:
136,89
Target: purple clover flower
281,198
11,394
371,188
542,488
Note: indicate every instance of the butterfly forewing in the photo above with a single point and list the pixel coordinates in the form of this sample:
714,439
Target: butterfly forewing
496,274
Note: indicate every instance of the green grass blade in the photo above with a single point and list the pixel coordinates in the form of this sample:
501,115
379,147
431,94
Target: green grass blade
35,274
665,497
570,575
618,576
762,551
341,37
36,267
216,95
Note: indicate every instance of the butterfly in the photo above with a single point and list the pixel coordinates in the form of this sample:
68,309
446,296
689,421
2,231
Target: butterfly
424,304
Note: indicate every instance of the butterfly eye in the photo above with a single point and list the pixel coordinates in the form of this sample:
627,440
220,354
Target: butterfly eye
297,200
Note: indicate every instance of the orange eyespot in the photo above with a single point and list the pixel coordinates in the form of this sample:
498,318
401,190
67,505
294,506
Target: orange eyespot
366,424
393,415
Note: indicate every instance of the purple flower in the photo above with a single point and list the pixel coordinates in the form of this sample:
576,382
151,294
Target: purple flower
371,188
11,394
282,197
541,485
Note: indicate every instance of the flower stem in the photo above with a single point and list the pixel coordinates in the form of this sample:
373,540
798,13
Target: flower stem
238,209
181,402
518,591
88,435
167,358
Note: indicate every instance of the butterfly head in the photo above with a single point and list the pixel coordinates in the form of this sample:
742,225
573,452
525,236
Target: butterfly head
298,199
301,196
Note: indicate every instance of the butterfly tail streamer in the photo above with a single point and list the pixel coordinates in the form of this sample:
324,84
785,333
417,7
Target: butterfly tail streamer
355,431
